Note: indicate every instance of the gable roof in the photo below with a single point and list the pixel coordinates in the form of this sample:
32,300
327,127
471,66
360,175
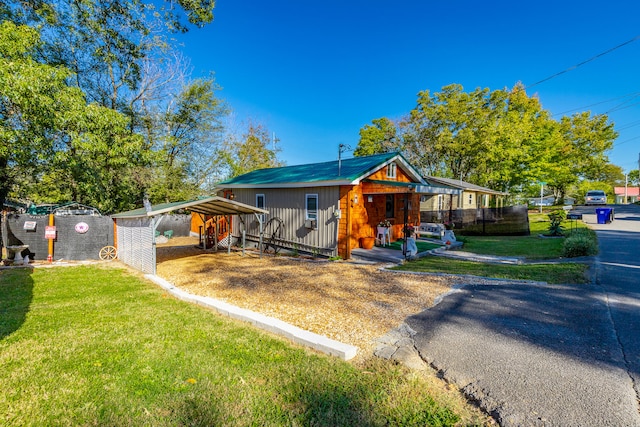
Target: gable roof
457,183
348,172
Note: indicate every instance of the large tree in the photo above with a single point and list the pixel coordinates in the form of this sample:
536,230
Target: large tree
187,142
502,139
120,55
447,132
48,132
249,151
378,137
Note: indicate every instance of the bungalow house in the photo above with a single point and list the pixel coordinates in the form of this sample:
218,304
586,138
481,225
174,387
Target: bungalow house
469,196
626,194
327,208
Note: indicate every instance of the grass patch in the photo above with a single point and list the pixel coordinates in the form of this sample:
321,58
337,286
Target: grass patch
550,273
93,346
531,247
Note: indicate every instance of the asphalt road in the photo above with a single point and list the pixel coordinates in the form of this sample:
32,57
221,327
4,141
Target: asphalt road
538,354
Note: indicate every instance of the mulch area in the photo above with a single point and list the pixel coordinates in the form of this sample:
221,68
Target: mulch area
347,302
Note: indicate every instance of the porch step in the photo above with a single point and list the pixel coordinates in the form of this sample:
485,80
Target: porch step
377,254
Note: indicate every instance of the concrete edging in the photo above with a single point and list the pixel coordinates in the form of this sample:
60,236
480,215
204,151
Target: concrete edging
271,324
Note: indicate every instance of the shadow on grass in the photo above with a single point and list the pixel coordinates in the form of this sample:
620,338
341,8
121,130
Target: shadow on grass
16,293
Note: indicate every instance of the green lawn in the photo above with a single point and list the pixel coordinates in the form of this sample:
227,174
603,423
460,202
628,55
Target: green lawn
550,273
532,247
94,346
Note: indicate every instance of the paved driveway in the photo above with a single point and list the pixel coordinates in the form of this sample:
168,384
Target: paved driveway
535,354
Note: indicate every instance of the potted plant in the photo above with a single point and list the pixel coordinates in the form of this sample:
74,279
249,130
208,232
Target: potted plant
367,242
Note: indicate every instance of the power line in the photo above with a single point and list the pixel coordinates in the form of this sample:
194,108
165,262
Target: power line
617,144
622,106
584,62
633,94
628,125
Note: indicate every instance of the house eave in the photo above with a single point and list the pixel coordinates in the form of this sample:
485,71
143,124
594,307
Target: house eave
290,184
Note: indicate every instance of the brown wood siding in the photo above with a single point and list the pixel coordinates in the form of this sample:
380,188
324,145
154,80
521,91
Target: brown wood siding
381,175
365,215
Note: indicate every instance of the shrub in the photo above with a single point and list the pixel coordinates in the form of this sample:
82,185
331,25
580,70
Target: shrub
581,242
555,218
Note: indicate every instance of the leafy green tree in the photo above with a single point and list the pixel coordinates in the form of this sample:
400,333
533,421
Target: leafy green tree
34,99
250,151
120,54
582,153
50,134
634,177
504,140
451,126
106,43
189,142
379,137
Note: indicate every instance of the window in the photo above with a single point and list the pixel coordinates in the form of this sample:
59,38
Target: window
391,170
260,203
389,207
311,206
471,199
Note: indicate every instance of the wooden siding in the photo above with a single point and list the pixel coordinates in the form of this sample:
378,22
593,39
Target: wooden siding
381,175
289,206
364,216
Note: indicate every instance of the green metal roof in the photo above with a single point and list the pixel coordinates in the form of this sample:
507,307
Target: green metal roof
316,173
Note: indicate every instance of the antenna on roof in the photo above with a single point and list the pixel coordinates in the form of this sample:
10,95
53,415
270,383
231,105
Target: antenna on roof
341,149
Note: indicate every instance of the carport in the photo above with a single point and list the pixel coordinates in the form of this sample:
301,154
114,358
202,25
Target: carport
136,229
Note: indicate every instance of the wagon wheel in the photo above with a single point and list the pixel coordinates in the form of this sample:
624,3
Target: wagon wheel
108,253
272,234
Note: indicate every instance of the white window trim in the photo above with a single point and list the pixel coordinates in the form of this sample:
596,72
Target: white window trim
392,170
306,206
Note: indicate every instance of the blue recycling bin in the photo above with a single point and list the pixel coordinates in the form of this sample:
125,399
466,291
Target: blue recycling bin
605,215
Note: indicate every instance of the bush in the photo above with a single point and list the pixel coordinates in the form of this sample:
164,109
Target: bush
555,218
581,242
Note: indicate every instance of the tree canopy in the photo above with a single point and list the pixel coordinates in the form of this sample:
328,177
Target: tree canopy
502,139
97,105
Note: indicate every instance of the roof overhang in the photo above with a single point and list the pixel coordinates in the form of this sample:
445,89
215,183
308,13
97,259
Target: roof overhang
434,189
415,187
213,205
290,184
404,165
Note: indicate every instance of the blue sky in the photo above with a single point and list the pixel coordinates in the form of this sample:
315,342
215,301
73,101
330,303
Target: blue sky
316,72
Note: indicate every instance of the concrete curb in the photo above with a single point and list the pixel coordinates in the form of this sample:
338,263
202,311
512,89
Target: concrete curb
271,324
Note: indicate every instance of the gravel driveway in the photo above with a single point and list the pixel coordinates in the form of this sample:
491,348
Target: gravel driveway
347,302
